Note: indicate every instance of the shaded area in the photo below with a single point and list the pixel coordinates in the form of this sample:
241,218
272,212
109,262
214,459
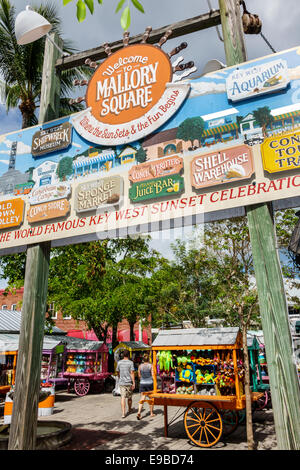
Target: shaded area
87,439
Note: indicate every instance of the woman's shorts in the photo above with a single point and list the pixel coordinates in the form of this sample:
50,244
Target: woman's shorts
126,391
146,387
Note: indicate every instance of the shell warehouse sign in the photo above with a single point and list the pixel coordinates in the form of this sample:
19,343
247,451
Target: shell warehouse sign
129,96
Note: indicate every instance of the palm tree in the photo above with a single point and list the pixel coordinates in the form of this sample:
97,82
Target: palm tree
21,66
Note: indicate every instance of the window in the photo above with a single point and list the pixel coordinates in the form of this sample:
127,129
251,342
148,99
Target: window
67,317
4,307
51,311
14,307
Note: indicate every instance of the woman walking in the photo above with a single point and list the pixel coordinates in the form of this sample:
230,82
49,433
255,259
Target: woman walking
145,374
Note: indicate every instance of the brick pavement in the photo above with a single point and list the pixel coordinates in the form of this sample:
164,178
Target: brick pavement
102,412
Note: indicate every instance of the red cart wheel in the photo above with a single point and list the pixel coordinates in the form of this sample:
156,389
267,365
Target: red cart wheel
261,403
81,387
203,423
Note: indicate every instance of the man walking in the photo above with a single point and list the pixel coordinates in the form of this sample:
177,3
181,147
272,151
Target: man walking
125,370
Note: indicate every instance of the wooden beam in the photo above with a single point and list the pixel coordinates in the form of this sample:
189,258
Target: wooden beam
23,429
181,28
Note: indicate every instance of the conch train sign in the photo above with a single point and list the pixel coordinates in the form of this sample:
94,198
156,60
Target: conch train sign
130,95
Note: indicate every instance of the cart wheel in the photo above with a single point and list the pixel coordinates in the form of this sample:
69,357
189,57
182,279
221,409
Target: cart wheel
230,421
261,403
203,423
81,387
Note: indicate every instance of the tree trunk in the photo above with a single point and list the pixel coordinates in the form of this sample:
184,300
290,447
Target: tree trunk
249,424
114,339
131,326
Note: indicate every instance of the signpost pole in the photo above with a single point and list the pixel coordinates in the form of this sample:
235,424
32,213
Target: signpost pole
27,383
284,381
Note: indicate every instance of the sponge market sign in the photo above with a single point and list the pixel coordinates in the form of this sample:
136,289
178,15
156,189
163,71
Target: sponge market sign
130,95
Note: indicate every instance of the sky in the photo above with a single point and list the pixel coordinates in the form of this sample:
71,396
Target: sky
280,22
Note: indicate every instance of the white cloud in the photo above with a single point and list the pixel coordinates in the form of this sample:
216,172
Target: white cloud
21,147
204,88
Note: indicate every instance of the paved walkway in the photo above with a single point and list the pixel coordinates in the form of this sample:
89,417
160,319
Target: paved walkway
96,421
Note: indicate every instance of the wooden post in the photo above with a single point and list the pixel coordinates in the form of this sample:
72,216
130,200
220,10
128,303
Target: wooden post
27,386
284,382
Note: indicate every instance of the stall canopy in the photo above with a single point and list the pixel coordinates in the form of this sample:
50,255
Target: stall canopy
79,344
10,322
196,337
10,342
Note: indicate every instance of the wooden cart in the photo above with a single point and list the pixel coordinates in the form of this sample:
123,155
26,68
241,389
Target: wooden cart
8,363
201,370
86,363
258,372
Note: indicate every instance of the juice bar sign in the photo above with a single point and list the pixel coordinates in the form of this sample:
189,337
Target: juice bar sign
51,139
129,96
167,186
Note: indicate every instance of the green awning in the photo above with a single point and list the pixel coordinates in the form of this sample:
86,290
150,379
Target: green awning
219,130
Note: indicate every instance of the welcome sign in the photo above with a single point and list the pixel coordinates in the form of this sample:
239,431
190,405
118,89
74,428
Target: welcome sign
130,95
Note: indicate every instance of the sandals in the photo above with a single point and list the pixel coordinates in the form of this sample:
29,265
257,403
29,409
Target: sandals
138,416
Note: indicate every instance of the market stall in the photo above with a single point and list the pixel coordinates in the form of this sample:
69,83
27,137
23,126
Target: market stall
52,360
86,363
8,362
136,350
201,370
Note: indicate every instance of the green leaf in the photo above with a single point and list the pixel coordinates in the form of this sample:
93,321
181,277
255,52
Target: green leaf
90,5
81,11
65,2
119,6
138,5
125,18
100,1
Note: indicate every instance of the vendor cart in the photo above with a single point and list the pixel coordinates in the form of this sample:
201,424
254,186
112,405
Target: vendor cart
136,350
201,370
8,362
53,355
86,363
258,372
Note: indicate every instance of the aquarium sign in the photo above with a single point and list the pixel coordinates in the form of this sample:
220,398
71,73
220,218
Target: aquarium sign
11,213
282,152
167,186
52,139
223,166
156,168
100,194
260,79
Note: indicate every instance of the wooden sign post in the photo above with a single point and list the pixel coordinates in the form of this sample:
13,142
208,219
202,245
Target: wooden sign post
23,426
284,382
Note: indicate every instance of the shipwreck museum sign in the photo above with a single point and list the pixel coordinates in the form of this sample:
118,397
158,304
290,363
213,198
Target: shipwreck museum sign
150,152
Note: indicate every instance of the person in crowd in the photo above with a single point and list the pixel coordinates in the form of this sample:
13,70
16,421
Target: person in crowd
145,374
125,371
